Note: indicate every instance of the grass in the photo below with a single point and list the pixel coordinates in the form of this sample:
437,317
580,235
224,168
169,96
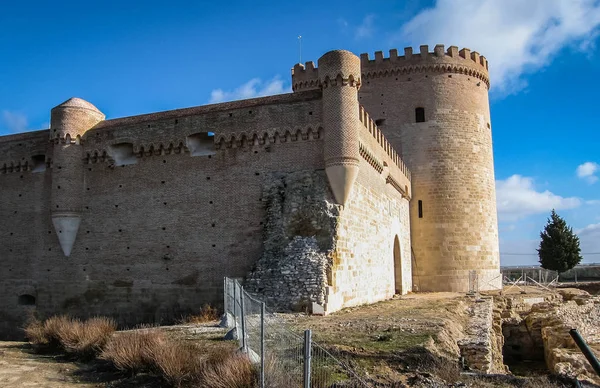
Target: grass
229,370
177,362
133,351
384,341
83,339
207,314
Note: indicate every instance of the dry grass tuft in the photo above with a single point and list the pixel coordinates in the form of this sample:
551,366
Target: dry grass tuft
229,370
87,339
35,332
134,350
180,363
84,339
206,314
146,350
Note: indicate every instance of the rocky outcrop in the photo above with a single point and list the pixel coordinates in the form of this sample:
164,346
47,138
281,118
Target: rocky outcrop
549,325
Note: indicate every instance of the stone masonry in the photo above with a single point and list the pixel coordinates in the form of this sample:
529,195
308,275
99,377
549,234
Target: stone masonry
306,195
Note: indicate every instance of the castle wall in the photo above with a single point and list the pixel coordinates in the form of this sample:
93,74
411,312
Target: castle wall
450,157
364,270
158,236
301,194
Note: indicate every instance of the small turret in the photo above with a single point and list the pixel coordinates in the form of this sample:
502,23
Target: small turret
339,76
69,122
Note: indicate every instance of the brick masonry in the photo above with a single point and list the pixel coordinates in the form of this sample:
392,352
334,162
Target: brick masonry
141,217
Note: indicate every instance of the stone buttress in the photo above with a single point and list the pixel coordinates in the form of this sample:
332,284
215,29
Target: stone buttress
69,122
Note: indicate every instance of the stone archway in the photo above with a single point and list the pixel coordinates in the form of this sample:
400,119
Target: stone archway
397,267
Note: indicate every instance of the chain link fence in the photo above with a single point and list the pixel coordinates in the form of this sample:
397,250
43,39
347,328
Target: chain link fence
286,358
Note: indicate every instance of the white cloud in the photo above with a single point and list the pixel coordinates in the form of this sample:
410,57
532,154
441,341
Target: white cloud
253,88
365,29
517,197
516,36
587,171
343,23
14,122
590,242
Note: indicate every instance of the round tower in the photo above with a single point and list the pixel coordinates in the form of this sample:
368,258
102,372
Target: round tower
68,123
339,77
433,107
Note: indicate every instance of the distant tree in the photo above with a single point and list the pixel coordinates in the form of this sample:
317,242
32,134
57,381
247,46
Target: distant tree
559,246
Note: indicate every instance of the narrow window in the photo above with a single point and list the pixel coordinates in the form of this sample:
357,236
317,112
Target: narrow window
26,300
420,209
420,115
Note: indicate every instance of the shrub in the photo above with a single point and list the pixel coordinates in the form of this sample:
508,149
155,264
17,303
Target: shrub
47,335
63,333
206,314
179,363
133,351
229,370
87,339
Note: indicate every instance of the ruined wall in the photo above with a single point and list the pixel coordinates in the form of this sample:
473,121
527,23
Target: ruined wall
156,236
299,238
335,256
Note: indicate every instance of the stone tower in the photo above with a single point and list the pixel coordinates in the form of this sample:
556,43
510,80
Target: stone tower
434,109
339,76
68,123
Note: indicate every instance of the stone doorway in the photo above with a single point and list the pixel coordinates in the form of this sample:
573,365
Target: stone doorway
397,267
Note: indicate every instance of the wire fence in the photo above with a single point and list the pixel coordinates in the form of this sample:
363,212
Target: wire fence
286,358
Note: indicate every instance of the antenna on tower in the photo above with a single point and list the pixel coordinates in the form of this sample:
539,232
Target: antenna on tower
300,46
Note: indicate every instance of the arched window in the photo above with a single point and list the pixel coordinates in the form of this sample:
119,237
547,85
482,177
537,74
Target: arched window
420,115
27,300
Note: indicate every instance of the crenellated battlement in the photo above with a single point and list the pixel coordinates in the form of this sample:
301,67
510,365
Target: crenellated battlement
305,77
370,125
273,136
439,60
22,166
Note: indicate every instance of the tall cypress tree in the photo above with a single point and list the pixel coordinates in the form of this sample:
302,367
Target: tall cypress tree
559,246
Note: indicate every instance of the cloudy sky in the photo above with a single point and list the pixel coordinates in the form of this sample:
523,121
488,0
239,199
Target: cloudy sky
144,57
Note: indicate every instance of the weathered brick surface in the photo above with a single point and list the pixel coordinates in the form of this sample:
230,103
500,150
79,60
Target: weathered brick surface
165,213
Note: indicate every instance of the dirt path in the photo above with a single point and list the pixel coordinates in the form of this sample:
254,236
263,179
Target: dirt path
20,367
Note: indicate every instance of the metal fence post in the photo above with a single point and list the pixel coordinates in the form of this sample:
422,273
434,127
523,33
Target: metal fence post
262,345
235,303
307,352
225,295
243,318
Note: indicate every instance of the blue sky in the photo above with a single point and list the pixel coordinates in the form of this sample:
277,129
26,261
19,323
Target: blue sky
135,57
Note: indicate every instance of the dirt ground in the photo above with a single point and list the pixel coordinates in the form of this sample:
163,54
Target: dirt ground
20,366
409,340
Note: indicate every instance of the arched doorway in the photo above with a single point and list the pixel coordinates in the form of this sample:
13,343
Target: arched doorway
397,266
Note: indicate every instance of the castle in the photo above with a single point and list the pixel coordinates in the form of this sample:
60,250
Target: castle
374,177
